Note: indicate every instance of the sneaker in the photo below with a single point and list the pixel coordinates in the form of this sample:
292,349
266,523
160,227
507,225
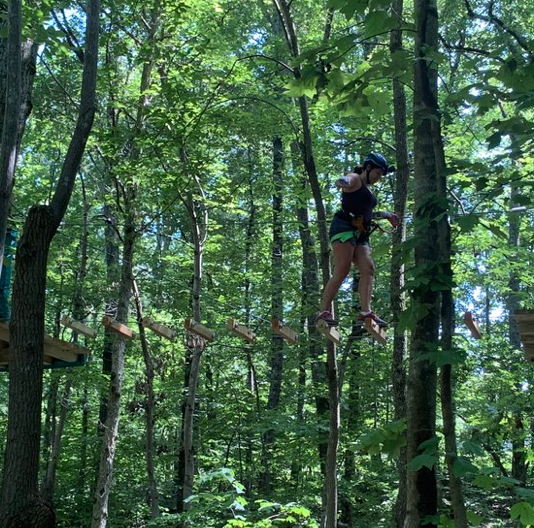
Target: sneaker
327,317
371,315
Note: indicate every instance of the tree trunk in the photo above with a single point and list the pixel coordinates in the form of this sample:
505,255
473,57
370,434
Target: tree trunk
251,373
109,440
310,301
50,479
277,342
10,131
447,333
519,457
20,497
149,408
421,399
195,346
398,299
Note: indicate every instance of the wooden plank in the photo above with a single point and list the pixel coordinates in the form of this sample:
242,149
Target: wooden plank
330,332
283,330
378,333
525,316
200,330
52,347
472,324
240,330
59,349
159,329
78,327
118,328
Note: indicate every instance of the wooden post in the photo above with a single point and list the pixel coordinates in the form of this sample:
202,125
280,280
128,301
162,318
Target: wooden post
280,328
376,331
240,330
159,329
472,324
118,328
78,327
328,331
200,330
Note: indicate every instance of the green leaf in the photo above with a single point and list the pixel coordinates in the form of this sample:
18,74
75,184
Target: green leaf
422,460
379,102
524,512
474,519
462,466
494,140
467,222
431,445
472,448
486,482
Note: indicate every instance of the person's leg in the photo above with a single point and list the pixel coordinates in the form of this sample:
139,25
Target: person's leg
366,267
343,255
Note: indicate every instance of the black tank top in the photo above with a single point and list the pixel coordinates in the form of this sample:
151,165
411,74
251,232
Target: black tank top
360,202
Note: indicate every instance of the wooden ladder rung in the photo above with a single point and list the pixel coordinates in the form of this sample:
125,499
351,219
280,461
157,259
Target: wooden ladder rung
200,330
159,329
78,327
376,331
330,332
281,329
118,328
241,330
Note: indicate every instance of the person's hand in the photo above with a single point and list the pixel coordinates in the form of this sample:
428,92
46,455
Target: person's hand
393,219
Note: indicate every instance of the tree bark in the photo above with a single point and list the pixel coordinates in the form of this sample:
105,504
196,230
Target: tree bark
19,487
519,458
447,333
195,345
421,398
310,301
11,112
99,516
277,308
49,483
398,298
149,408
284,13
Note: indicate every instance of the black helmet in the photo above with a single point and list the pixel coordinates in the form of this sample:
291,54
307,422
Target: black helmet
376,159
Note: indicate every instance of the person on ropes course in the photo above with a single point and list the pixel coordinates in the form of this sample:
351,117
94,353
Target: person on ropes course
349,235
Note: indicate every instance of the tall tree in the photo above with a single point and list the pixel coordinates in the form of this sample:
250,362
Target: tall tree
398,298
277,306
11,112
422,486
20,501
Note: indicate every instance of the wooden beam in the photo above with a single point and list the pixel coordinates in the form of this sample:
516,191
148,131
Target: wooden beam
378,333
240,330
159,329
283,330
78,327
118,328
330,332
200,330
472,324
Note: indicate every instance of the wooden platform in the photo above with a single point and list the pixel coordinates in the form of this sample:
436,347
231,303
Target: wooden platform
56,351
525,325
